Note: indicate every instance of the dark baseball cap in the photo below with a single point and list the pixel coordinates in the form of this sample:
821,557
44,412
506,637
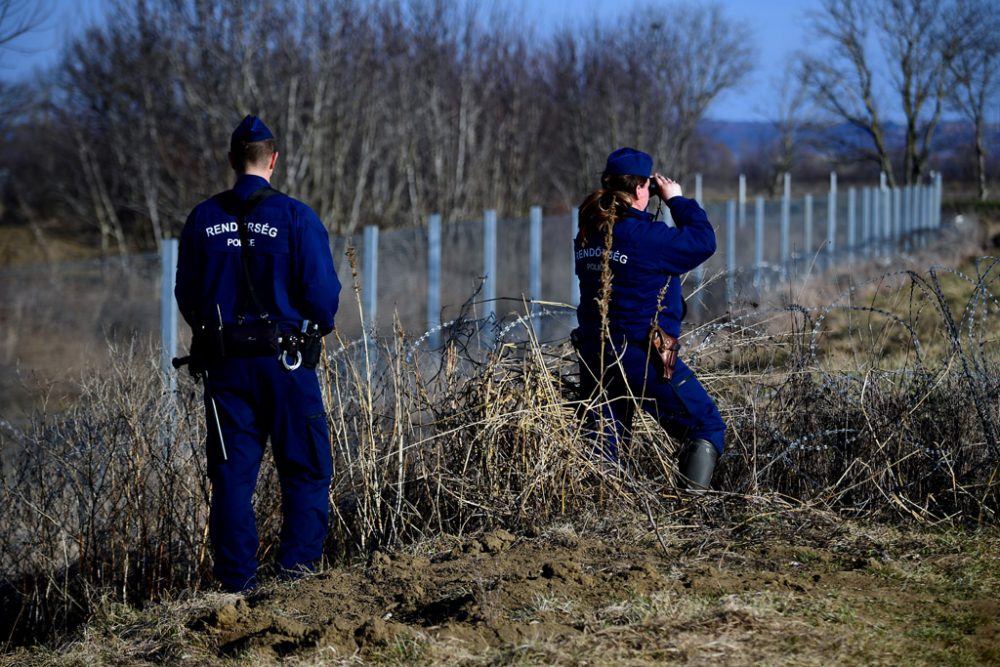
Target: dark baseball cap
629,162
249,130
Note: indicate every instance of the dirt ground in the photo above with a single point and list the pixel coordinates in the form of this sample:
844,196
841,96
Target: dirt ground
718,581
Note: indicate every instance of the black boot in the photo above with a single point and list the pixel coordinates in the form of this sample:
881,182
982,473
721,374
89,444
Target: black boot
696,465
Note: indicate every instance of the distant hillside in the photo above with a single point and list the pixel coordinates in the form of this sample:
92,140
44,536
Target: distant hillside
743,138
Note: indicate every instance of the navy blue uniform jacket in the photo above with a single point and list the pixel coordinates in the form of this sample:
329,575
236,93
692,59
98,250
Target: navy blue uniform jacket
290,263
646,255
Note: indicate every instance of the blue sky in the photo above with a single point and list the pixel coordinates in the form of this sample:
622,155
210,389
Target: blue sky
777,28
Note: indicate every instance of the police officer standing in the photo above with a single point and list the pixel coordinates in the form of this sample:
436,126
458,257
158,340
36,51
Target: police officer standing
629,266
257,285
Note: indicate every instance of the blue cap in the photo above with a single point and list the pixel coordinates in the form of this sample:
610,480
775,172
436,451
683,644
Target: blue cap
629,162
249,130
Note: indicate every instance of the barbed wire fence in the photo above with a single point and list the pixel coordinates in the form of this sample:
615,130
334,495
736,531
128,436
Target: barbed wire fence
419,277
60,316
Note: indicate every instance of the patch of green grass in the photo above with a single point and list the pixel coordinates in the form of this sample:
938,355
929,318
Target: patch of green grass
403,649
540,604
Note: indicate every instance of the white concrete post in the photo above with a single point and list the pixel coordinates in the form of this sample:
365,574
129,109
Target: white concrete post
489,263
535,261
168,310
742,211
808,223
852,219
369,277
786,212
434,278
758,242
730,250
831,214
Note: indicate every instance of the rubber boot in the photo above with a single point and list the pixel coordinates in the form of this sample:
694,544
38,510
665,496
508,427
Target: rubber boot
696,465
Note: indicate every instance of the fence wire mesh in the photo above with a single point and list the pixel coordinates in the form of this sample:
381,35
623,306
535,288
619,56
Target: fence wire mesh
57,319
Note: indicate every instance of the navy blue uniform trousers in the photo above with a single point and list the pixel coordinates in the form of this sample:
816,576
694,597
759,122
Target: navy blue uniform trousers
256,399
631,377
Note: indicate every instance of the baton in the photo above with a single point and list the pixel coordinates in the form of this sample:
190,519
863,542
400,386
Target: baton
177,362
215,414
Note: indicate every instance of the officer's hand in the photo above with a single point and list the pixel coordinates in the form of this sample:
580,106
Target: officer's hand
667,188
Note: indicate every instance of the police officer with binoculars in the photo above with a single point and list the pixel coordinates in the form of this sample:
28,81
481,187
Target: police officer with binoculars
629,266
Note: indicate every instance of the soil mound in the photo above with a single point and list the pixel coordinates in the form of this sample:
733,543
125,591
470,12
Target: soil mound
751,591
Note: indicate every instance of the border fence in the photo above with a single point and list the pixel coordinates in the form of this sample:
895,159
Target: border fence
418,278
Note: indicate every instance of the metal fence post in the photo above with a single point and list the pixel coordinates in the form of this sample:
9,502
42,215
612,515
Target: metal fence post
369,277
904,213
489,263
909,207
434,279
898,221
730,250
886,201
699,271
878,229
807,205
758,242
922,206
937,199
866,219
786,213
535,260
742,212
927,204
831,214
929,198
918,204
168,311
852,219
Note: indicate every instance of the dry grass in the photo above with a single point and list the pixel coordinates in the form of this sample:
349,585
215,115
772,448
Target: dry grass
771,583
882,405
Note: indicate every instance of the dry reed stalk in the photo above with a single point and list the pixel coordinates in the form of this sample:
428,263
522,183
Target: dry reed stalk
110,497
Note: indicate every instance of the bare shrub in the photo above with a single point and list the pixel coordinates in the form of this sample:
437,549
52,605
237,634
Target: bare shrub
106,498
883,402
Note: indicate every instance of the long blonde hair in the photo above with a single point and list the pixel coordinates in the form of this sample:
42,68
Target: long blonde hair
602,208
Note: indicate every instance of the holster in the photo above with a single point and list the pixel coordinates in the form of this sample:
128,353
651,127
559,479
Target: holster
667,348
308,343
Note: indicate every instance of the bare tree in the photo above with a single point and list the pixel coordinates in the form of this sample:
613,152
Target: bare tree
792,110
843,83
385,110
919,47
918,42
697,53
649,84
19,17
973,72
